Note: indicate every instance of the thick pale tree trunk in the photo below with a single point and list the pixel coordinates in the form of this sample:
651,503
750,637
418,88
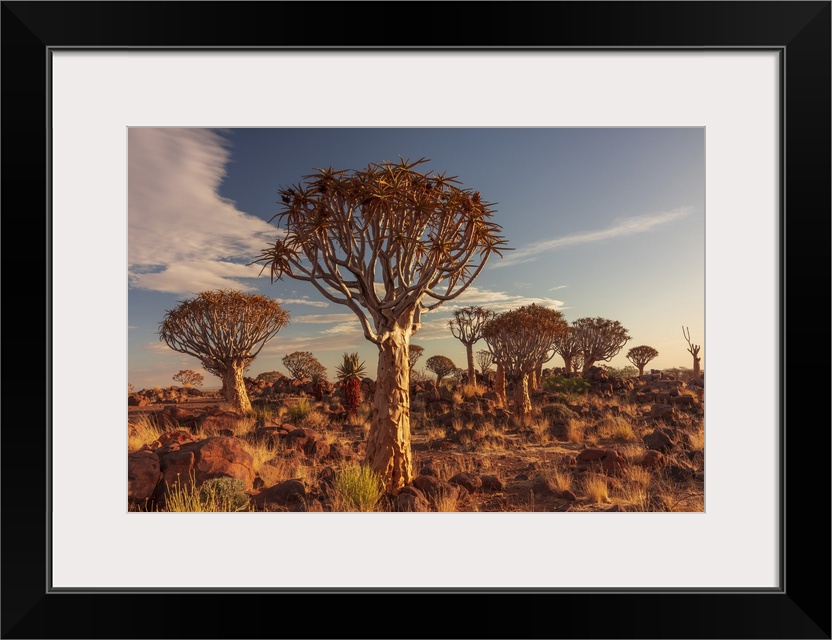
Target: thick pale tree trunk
567,363
469,350
536,378
522,401
388,444
500,384
697,371
587,366
234,388
640,370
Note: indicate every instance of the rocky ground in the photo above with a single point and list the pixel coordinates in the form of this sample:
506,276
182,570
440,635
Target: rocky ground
623,445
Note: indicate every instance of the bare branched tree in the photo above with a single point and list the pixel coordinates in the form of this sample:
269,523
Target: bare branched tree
189,378
413,354
693,349
640,356
485,359
302,365
466,326
390,243
225,330
599,339
520,339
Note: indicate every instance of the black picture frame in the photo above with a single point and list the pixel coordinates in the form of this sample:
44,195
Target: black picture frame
800,608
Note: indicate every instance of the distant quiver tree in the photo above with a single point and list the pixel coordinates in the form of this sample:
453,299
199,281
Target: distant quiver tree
599,339
189,378
225,330
640,356
521,339
466,326
440,365
389,242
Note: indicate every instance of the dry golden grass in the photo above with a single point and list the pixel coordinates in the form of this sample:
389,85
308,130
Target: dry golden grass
575,429
697,440
471,390
540,431
596,489
146,429
446,502
616,428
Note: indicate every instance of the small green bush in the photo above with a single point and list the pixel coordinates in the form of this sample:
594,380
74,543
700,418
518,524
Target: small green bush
300,409
228,493
215,495
562,384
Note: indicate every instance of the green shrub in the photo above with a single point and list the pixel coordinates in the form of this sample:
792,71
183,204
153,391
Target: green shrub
300,409
215,495
562,384
356,487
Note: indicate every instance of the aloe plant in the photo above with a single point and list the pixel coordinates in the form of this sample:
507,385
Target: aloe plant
349,373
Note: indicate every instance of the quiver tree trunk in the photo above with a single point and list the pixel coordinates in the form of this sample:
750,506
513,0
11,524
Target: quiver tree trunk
500,384
697,370
567,364
388,443
234,387
469,351
522,401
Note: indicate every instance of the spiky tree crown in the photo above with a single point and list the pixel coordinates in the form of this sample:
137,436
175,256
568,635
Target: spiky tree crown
599,338
467,323
219,326
350,368
384,241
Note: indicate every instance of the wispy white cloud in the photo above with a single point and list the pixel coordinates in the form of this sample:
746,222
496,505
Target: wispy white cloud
562,286
620,228
306,301
178,223
194,276
325,319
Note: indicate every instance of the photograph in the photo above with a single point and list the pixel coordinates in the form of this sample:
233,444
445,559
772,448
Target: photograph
416,319
417,308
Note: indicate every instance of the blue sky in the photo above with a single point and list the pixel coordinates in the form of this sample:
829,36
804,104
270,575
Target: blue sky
602,222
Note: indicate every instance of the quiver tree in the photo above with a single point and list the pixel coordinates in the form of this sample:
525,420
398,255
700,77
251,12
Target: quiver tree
466,326
521,339
189,378
693,349
599,339
440,365
216,369
485,359
388,242
567,347
225,330
413,354
302,365
270,376
640,356
349,374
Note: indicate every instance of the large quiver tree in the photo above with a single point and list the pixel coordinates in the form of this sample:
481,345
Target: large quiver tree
599,339
225,330
390,243
521,339
466,326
